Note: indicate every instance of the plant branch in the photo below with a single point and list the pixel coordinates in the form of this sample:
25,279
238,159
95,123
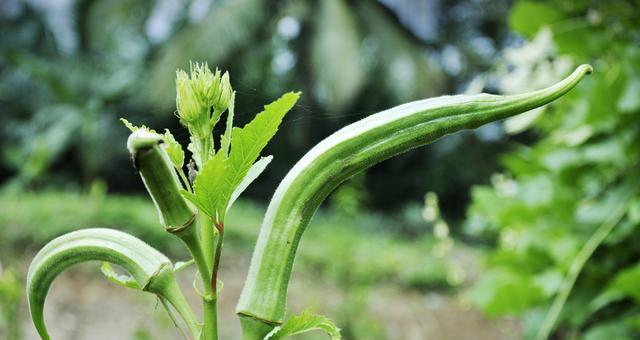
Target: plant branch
174,296
576,267
216,258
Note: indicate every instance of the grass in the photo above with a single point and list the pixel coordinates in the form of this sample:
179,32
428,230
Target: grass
348,250
361,255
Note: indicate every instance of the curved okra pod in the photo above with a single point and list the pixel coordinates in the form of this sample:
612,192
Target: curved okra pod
345,153
151,270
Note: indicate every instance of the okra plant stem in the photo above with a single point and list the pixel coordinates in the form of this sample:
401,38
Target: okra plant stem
210,319
179,303
209,297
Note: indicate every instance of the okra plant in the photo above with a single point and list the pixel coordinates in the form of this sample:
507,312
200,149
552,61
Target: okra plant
193,199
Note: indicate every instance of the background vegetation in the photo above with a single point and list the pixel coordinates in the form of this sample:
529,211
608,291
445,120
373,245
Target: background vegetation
568,205
528,206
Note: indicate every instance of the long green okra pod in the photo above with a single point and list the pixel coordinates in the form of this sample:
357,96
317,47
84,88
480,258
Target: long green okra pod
350,150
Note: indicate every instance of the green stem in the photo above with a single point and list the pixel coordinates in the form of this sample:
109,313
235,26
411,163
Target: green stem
576,267
210,328
189,236
210,319
205,147
209,299
210,305
173,295
206,230
185,180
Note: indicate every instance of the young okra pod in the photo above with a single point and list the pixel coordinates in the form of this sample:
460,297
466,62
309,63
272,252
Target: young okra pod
150,270
160,179
345,153
163,185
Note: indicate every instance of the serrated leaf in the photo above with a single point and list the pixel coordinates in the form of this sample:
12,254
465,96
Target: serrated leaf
305,322
248,142
173,149
256,169
207,193
129,125
123,280
134,128
194,148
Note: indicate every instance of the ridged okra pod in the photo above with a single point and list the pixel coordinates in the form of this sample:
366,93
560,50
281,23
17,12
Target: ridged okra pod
150,270
346,152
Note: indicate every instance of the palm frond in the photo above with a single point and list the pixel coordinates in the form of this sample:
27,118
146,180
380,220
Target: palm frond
214,39
408,72
336,61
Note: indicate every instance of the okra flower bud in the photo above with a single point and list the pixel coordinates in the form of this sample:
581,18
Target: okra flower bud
160,179
224,94
204,84
189,101
197,93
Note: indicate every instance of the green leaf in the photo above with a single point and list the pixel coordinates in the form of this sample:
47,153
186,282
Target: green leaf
256,169
630,100
134,128
626,283
123,280
634,210
129,125
618,329
527,17
173,149
207,186
504,291
246,145
305,322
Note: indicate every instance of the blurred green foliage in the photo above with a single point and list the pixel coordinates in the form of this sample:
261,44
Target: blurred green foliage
28,224
69,70
351,252
10,299
561,192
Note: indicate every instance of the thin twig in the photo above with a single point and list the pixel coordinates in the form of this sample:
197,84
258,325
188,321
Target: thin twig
576,267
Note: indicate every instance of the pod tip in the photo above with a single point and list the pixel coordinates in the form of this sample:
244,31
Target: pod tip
586,68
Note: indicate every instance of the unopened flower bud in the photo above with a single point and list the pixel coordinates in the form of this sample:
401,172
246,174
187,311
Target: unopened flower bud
197,93
203,84
225,92
189,107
